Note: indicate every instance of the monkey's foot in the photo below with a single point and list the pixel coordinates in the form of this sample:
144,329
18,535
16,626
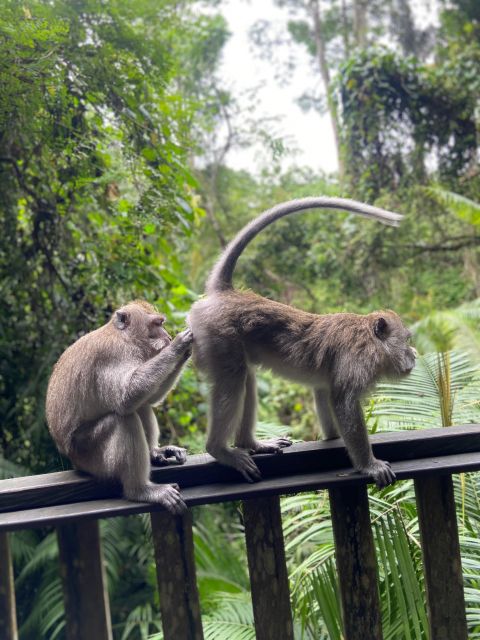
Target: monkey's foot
239,459
168,455
381,472
168,495
275,445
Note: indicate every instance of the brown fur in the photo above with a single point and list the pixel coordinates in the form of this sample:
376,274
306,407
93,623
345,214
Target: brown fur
340,356
100,395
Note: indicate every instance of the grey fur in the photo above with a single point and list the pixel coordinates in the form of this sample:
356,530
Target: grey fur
100,397
340,356
221,276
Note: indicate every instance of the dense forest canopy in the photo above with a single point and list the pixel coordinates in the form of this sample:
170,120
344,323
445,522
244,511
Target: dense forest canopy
117,131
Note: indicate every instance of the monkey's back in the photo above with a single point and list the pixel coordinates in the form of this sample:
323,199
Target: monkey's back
72,393
234,325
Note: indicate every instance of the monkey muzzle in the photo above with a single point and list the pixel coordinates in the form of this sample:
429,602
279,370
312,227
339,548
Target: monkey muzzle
160,338
411,361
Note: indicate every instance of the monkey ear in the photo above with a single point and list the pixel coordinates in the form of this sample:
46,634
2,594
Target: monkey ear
121,319
380,328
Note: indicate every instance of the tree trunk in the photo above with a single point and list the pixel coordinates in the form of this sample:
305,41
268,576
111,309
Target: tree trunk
360,23
325,73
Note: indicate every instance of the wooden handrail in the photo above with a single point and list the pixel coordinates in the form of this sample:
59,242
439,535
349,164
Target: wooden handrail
301,467
71,502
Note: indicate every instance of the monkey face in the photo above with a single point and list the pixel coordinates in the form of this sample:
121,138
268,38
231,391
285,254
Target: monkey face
399,355
158,336
139,322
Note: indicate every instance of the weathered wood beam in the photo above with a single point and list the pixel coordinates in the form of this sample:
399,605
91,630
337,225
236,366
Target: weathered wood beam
177,585
8,617
441,558
268,569
87,608
224,492
306,457
356,563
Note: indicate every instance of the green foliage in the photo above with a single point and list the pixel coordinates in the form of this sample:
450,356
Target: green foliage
102,107
450,329
443,389
395,111
459,205
309,544
98,203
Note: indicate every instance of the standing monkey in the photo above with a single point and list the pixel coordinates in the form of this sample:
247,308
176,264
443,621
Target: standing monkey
100,398
340,356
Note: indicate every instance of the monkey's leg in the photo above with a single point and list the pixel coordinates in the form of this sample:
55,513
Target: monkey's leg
245,437
354,432
226,404
325,413
116,448
158,455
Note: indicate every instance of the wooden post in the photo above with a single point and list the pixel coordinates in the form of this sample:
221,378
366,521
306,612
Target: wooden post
177,585
8,618
87,609
441,558
268,569
356,563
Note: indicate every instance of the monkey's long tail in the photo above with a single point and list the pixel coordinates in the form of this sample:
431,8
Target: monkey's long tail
221,276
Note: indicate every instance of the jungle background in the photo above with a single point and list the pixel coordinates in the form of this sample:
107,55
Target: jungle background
116,131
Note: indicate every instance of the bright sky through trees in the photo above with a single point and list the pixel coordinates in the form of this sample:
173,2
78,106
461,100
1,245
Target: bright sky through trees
308,132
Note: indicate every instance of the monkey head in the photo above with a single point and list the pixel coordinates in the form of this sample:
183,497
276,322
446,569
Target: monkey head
139,322
393,339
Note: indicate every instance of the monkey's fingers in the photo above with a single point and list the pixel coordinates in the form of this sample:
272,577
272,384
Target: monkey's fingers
275,445
242,461
179,453
160,455
158,459
172,499
177,507
250,471
383,474
185,338
251,475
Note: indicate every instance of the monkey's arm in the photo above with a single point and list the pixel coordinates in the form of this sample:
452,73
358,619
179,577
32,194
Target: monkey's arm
354,432
169,382
135,388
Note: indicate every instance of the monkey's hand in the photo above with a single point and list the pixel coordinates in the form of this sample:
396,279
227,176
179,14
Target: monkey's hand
381,472
168,455
182,343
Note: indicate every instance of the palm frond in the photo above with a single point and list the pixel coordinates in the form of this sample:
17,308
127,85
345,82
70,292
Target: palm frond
141,621
437,392
461,206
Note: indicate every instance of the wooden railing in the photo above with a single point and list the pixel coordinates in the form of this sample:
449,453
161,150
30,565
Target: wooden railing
73,503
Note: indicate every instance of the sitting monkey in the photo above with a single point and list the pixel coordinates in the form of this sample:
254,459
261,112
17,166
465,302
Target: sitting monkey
339,356
100,398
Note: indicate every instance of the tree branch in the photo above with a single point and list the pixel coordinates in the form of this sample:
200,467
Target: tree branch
461,242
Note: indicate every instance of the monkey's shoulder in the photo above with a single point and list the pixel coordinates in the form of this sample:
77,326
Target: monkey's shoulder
96,350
